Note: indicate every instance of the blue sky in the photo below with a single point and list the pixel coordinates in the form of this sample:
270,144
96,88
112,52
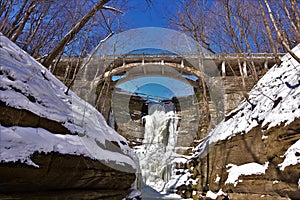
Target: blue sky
141,15
161,86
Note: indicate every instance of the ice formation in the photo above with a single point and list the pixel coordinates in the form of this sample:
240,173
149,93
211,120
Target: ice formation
156,152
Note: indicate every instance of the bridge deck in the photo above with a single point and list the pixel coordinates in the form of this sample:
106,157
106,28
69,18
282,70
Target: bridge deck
229,62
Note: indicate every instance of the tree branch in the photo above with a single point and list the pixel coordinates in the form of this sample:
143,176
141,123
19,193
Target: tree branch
112,9
72,33
88,60
280,37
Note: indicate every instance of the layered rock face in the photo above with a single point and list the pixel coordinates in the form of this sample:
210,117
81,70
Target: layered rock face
254,153
58,175
211,170
64,177
53,145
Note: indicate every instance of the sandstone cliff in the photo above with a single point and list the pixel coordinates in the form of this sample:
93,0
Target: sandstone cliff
254,153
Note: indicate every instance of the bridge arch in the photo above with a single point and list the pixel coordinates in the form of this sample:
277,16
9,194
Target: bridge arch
179,57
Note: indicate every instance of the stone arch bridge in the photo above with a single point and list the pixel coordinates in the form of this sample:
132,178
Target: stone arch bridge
94,82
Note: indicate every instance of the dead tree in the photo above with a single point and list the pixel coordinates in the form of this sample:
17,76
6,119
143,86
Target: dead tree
71,34
281,38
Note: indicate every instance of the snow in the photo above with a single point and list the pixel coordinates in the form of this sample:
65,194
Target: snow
133,195
246,169
158,157
213,195
15,147
182,159
218,178
179,180
292,156
27,85
275,100
263,137
151,194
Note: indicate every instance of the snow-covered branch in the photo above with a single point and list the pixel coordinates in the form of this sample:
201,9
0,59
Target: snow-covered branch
112,9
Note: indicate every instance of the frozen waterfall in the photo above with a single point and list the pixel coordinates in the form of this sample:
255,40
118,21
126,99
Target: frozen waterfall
158,148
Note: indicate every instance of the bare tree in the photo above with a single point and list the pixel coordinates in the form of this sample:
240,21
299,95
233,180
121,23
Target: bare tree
20,27
282,38
45,28
192,19
240,26
71,34
6,9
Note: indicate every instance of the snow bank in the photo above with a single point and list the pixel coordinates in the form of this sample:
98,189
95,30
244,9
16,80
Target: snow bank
292,156
247,169
133,195
213,195
274,100
25,84
179,180
19,143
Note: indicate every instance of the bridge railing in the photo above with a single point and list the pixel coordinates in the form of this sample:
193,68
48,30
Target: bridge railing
192,55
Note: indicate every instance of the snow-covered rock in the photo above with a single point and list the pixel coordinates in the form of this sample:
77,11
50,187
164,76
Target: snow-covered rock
274,100
259,140
27,85
213,195
246,169
292,156
38,120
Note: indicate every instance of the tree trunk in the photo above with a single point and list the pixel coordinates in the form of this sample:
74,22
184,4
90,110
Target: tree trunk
17,19
296,11
34,32
288,14
243,34
280,37
5,19
72,33
3,6
231,31
20,28
268,31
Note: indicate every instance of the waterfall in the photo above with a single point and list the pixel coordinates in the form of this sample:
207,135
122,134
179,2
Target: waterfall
160,139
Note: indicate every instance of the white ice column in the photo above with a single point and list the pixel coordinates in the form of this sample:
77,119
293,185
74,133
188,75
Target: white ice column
223,68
